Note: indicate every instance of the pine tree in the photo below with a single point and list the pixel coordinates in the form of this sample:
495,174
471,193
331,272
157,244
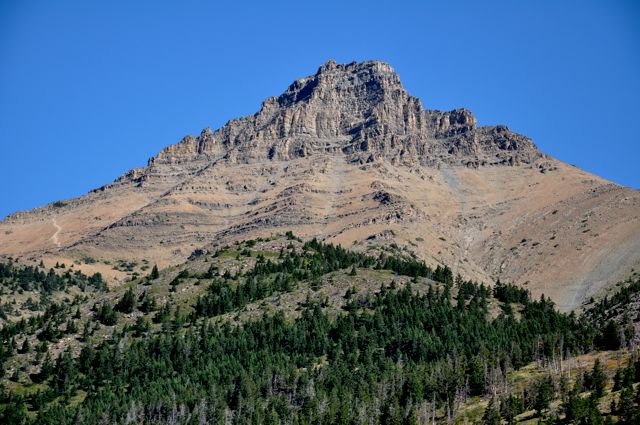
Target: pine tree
65,373
106,314
610,336
14,412
47,367
491,414
86,331
626,408
26,348
71,327
141,326
597,380
127,303
510,407
543,395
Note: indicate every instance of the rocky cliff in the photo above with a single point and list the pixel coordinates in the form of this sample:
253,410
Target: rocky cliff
362,111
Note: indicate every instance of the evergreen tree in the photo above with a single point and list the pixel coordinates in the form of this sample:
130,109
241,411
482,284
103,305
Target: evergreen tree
510,407
141,326
106,314
543,395
626,408
491,414
46,369
596,380
127,303
14,412
155,273
26,347
610,336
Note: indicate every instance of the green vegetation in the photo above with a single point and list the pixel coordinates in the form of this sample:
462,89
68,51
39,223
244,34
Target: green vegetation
404,354
29,278
154,273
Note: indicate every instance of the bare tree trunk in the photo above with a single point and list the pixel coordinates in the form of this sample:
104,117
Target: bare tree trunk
433,416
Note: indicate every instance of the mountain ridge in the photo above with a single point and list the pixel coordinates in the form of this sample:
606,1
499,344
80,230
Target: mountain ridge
363,106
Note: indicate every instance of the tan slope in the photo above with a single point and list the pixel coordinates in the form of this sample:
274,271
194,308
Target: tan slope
564,232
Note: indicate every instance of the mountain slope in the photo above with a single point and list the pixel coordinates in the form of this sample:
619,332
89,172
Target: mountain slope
347,155
280,330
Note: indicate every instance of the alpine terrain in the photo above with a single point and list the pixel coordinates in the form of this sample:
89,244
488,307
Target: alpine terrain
348,156
344,255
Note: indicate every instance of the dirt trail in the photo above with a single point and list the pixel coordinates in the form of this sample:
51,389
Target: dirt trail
54,238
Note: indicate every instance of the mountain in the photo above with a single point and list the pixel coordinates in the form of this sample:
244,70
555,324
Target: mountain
348,156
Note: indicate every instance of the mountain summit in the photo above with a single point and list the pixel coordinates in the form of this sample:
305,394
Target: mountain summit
363,111
348,156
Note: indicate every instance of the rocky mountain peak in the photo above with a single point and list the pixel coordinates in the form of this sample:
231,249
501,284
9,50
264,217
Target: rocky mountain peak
367,82
359,110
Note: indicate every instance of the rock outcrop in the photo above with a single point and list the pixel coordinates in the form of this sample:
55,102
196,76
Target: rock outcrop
363,111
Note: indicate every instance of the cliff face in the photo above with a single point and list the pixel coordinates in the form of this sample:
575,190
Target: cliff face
347,155
362,111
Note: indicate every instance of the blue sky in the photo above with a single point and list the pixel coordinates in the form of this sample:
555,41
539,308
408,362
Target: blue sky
89,90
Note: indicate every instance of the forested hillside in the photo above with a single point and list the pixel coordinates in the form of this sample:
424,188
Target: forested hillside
285,331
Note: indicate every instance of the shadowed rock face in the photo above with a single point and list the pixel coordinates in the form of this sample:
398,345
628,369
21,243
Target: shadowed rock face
349,156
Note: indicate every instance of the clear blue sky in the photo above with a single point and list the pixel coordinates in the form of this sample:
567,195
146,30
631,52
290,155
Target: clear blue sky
90,89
